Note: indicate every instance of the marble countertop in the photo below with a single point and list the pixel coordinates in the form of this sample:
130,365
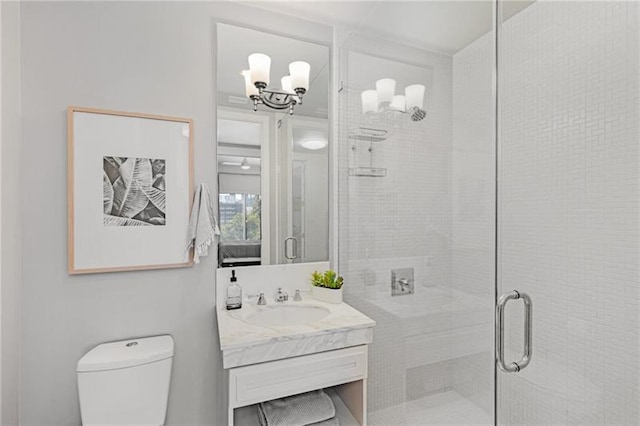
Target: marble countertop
236,333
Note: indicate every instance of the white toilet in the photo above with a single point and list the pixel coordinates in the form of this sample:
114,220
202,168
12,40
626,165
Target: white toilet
126,383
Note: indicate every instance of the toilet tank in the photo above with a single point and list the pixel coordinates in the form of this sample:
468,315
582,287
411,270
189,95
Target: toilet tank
126,383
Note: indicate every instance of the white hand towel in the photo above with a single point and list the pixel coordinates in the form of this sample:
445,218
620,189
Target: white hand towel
203,227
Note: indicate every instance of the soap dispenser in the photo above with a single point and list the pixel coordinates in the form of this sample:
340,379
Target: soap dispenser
234,293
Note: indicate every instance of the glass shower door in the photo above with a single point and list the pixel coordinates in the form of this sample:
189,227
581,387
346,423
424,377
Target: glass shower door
568,101
416,202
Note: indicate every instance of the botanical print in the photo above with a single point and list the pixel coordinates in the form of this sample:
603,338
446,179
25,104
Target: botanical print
133,191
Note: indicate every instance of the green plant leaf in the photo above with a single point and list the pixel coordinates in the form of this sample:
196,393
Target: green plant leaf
316,279
328,279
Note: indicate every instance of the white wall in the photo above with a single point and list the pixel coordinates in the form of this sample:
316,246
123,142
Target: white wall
148,57
10,205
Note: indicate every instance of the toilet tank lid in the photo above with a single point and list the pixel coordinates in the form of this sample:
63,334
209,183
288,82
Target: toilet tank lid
126,353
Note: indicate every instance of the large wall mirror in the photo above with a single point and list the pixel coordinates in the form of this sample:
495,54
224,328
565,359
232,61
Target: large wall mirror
273,166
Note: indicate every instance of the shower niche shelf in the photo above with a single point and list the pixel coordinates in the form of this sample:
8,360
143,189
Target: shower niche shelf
370,135
367,171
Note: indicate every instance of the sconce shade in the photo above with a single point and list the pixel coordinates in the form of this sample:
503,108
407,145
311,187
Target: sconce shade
259,65
369,101
299,72
385,87
285,84
398,103
415,96
249,88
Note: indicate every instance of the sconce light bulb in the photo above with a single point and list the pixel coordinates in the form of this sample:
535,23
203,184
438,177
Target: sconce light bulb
415,96
386,88
259,65
369,101
299,72
249,88
398,103
285,83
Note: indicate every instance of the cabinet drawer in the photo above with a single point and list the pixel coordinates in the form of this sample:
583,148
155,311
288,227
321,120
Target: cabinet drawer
276,379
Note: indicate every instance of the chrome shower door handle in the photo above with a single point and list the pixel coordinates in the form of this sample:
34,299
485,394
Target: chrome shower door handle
295,248
514,367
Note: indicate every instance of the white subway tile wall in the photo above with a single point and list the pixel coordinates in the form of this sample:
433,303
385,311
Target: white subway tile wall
473,207
568,212
406,219
568,219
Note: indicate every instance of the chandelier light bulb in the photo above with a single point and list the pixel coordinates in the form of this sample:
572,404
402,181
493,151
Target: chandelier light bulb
398,103
285,84
369,101
259,65
299,72
386,88
249,88
415,96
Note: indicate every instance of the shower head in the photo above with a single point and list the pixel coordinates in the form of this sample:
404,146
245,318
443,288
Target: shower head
417,114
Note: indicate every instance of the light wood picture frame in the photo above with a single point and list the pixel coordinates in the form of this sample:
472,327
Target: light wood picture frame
144,164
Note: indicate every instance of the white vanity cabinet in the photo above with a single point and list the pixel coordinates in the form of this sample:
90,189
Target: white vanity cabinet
342,372
290,347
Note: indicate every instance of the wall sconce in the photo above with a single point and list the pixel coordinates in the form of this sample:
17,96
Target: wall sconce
383,98
294,85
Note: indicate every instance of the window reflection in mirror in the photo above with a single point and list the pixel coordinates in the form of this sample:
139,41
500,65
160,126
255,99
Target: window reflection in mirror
273,168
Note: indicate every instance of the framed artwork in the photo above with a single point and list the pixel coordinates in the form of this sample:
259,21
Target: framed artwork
130,187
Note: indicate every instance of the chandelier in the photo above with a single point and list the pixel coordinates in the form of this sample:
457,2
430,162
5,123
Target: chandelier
383,99
293,86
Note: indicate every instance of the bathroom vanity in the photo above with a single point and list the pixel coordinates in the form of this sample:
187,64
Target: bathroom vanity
290,347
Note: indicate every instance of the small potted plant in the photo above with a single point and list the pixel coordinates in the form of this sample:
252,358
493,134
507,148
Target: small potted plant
327,286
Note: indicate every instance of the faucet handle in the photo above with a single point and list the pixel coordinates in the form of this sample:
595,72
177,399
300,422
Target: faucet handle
297,297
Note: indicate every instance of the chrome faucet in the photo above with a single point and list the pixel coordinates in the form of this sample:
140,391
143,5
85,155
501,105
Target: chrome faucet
281,296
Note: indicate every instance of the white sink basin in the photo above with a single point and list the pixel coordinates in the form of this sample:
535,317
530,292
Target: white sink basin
280,315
